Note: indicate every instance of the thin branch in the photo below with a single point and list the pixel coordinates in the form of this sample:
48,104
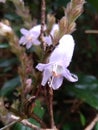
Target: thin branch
27,123
24,122
50,92
92,31
43,10
38,120
9,125
92,124
23,116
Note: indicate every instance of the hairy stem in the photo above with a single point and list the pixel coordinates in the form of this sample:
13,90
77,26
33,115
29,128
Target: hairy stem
43,10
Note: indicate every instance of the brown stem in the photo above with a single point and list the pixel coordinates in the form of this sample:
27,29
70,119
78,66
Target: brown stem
34,116
51,107
23,116
92,31
43,9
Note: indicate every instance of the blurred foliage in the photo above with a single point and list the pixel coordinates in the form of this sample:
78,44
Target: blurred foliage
38,110
74,104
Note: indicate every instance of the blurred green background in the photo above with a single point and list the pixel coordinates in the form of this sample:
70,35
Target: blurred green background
75,104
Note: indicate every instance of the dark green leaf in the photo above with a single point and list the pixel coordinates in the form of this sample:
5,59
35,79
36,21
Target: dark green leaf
19,126
94,3
9,86
96,126
11,16
8,62
4,45
39,110
86,89
82,119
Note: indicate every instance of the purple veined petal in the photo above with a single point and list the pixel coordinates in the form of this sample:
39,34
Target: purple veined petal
22,40
24,31
64,51
40,67
35,34
36,42
28,45
69,76
36,28
58,56
57,82
48,40
46,76
66,44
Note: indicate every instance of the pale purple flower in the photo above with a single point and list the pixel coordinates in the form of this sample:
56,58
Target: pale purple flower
55,71
30,37
48,39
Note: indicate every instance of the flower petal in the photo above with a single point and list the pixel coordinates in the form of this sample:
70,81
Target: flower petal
54,29
69,76
28,45
24,31
40,67
36,42
22,40
57,82
46,76
64,51
66,44
48,40
36,28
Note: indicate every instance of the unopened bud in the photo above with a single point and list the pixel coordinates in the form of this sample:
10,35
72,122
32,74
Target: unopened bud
50,22
5,30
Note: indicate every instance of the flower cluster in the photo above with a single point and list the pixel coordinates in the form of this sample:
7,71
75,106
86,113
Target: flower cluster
56,69
31,37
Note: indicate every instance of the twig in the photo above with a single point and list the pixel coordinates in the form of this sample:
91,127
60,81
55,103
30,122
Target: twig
27,123
51,107
43,9
92,31
24,122
9,125
23,116
92,124
38,120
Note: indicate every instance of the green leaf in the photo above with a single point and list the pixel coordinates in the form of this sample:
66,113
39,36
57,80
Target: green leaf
8,62
9,86
82,119
96,126
4,45
11,16
39,110
19,126
94,3
86,89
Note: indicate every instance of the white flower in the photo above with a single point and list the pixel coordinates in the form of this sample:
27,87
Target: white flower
48,39
31,36
56,69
